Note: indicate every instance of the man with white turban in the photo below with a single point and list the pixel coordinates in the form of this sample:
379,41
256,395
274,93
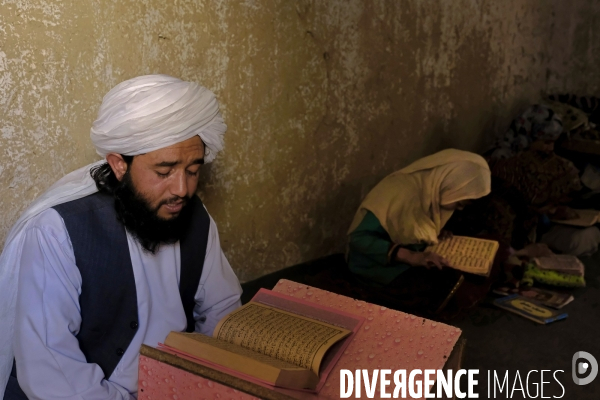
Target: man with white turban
118,253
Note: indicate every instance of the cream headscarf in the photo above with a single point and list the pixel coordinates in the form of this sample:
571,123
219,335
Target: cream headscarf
408,202
137,116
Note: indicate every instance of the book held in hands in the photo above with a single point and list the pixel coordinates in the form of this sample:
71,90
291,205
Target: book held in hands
468,254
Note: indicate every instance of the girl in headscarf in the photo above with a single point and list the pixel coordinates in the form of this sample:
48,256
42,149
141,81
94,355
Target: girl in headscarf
405,213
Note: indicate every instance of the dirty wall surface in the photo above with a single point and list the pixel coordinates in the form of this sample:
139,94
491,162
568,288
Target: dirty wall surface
322,98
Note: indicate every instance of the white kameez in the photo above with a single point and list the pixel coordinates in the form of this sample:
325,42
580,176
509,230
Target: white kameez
137,116
50,364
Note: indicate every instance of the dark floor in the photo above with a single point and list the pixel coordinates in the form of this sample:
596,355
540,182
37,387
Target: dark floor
500,341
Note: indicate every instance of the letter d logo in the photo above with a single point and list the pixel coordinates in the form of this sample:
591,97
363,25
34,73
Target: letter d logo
583,367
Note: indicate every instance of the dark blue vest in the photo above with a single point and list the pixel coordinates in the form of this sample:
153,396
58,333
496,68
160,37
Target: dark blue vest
108,301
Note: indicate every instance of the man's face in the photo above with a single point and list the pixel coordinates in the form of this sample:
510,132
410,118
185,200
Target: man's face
168,177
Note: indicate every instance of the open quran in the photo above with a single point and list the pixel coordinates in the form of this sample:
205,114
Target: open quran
278,341
468,254
383,341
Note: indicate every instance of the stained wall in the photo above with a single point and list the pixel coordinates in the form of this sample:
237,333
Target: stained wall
322,98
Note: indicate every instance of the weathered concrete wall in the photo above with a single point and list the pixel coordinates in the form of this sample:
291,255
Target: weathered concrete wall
322,98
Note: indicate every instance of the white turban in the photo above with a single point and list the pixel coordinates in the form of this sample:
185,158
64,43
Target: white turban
137,116
151,112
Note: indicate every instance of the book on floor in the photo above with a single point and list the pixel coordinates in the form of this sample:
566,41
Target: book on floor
275,339
545,297
468,254
584,218
529,309
563,263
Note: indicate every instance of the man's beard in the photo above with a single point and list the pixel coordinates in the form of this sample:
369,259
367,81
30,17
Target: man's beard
142,221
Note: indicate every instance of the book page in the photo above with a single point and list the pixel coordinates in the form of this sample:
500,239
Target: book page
239,361
586,218
321,312
467,254
232,348
267,330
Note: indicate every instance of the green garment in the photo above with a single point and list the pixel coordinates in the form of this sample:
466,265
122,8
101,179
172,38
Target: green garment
368,248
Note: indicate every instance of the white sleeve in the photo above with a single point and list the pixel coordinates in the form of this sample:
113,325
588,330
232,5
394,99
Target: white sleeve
219,290
50,364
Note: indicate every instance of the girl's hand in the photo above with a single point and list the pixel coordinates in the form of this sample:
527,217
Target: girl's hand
429,260
426,259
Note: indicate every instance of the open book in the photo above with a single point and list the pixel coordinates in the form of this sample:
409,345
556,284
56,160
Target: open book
468,254
274,339
585,218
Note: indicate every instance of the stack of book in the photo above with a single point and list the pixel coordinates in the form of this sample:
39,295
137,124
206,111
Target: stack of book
533,303
548,298
564,264
529,308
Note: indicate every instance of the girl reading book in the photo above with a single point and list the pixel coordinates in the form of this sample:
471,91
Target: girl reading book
404,214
